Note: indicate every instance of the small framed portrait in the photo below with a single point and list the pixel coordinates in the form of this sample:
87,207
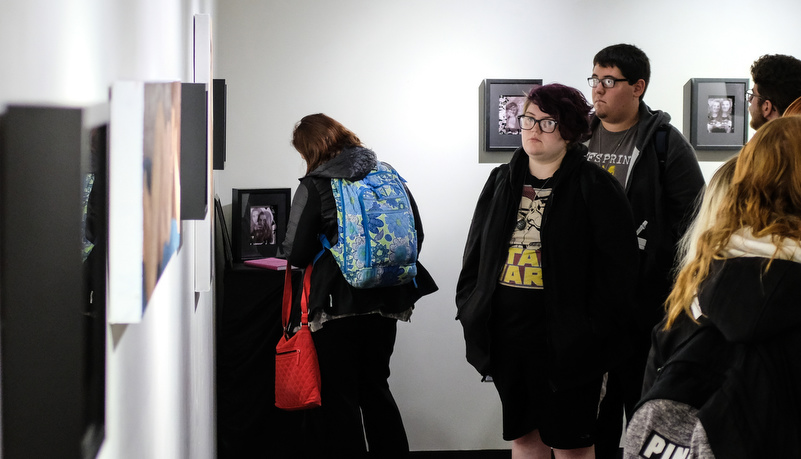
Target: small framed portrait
503,103
716,113
258,220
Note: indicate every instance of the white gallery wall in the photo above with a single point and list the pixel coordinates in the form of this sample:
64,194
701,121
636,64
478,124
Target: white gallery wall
405,77
160,372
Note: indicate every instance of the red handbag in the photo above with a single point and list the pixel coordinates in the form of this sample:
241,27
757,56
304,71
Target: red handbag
297,373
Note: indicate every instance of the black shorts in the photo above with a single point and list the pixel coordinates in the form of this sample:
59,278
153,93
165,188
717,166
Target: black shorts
564,418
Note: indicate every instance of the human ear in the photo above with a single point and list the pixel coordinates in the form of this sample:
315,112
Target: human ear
767,108
639,88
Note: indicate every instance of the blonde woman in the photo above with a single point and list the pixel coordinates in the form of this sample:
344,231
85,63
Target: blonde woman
738,377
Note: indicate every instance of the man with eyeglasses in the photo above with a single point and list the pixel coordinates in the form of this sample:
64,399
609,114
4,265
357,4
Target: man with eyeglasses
659,170
777,83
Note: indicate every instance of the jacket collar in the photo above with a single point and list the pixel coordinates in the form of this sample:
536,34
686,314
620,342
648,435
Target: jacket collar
750,303
649,122
353,163
518,165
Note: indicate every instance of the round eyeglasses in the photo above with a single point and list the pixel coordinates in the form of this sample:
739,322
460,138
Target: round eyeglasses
606,82
547,125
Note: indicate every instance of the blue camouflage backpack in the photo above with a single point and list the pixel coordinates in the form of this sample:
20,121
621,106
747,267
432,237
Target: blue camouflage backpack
377,239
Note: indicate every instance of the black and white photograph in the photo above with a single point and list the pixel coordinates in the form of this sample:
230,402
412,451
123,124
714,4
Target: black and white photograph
262,225
258,221
509,108
719,116
503,103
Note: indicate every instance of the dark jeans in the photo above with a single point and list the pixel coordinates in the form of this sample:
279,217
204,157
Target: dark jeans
357,405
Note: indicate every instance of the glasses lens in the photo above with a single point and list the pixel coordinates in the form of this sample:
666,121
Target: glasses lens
593,82
547,125
608,82
525,122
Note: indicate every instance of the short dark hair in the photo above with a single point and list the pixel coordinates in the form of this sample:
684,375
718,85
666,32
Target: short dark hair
779,79
631,60
567,106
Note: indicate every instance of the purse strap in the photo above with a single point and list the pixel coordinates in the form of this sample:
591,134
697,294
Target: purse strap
304,299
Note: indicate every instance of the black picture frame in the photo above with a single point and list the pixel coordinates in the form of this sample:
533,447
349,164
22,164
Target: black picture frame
53,279
194,151
247,206
220,103
707,123
498,95
225,235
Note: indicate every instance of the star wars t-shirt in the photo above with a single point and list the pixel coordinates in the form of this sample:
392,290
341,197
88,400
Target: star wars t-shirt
523,267
613,150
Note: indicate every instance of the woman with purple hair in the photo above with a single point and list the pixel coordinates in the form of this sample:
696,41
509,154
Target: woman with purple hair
547,278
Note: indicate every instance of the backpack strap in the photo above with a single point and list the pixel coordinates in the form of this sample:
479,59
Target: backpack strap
326,202
661,146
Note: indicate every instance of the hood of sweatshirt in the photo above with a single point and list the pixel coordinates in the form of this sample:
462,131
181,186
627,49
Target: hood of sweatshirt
748,303
353,163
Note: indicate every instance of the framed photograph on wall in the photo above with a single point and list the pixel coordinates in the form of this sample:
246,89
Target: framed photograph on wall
716,113
503,103
258,222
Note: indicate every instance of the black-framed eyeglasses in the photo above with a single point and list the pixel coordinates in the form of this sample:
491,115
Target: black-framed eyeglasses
749,95
606,82
547,125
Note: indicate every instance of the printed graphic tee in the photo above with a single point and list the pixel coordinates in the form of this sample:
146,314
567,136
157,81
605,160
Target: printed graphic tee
613,150
523,268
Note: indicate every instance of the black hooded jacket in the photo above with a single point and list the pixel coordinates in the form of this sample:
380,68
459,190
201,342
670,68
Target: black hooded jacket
740,366
313,213
664,196
589,263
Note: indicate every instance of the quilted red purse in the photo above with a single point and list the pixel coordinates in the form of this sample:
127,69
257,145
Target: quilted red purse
297,373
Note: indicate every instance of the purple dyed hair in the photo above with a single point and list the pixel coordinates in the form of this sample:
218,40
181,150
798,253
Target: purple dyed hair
567,106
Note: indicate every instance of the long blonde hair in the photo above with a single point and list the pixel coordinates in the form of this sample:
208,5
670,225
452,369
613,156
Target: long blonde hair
707,212
764,196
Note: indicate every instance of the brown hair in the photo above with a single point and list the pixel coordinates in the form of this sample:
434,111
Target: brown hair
319,138
779,79
764,196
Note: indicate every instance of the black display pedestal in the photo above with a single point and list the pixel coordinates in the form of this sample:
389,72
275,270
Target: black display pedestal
248,328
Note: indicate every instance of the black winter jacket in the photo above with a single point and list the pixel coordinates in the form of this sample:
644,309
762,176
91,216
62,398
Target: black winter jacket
589,263
664,197
313,213
740,365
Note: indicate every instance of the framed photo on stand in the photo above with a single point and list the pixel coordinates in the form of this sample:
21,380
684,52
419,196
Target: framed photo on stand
716,113
259,219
